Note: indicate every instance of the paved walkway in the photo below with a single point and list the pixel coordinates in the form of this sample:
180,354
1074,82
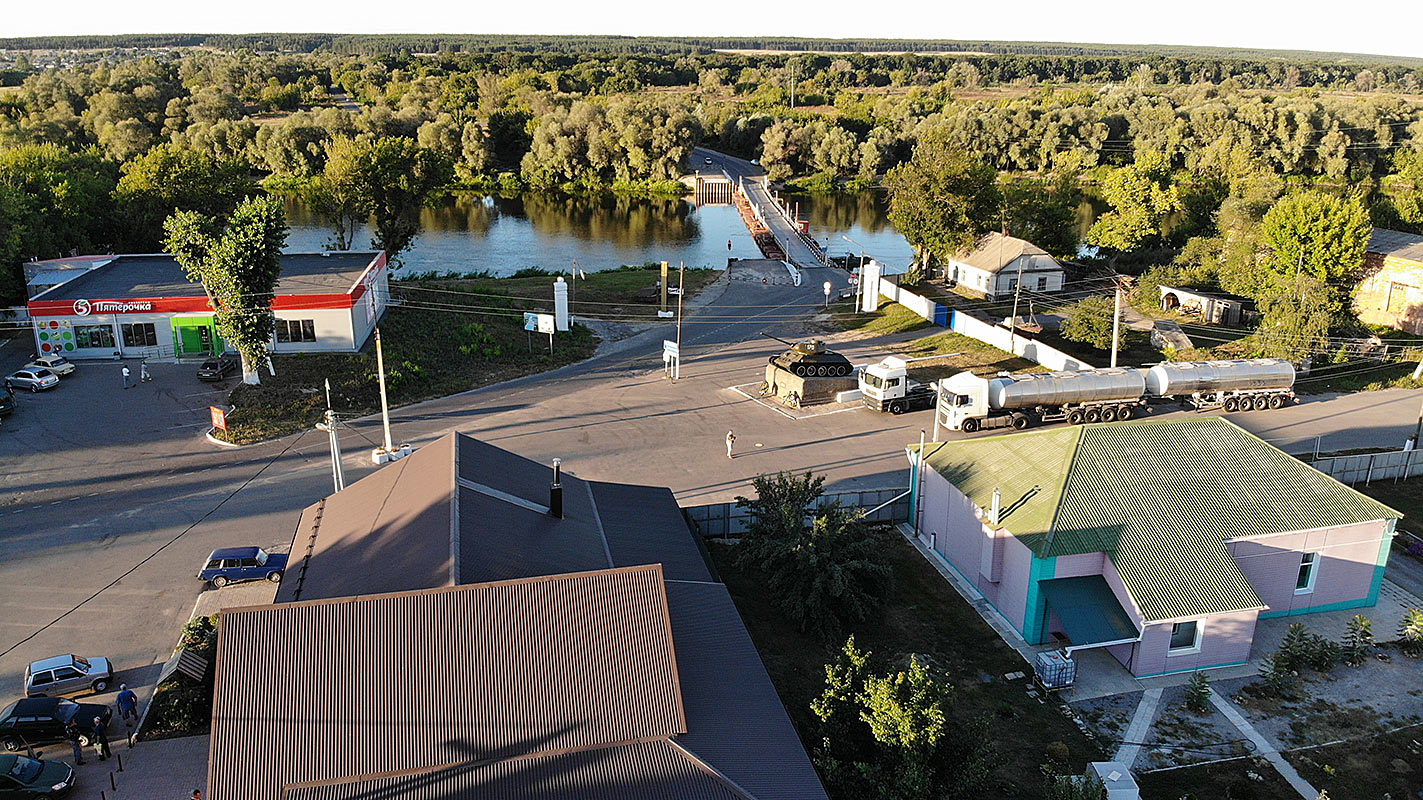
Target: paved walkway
1263,747
1140,727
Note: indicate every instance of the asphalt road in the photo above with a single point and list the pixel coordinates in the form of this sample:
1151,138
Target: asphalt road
753,180
111,498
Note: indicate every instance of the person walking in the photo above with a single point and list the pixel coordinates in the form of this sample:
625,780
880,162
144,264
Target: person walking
71,733
730,442
143,375
101,739
128,704
197,794
128,377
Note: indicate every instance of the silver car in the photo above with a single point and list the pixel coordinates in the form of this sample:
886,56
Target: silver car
59,365
33,378
67,674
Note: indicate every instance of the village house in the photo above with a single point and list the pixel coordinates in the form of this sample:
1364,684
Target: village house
995,263
1390,290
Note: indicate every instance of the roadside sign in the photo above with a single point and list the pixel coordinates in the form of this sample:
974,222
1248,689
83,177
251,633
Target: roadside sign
545,323
219,418
531,321
670,348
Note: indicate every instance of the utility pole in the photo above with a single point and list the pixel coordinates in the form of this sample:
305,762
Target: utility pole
681,273
338,476
572,284
1017,289
381,455
1116,320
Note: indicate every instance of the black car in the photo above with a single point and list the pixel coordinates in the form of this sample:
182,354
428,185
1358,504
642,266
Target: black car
33,779
7,402
41,720
215,369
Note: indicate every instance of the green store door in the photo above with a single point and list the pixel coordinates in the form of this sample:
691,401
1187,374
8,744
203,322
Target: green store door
196,336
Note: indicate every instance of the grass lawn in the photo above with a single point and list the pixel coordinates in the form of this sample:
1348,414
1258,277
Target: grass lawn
979,357
891,318
924,616
449,336
1405,496
1389,764
1245,779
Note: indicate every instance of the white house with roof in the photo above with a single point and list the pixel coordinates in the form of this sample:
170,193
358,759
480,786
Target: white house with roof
995,263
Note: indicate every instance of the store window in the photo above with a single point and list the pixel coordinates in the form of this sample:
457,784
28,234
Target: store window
1185,637
139,334
296,330
94,336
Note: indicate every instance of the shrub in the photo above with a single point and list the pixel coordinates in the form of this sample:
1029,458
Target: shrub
1410,632
1277,677
1358,641
1198,694
1057,752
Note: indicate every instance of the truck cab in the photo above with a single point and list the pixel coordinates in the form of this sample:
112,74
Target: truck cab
963,397
886,387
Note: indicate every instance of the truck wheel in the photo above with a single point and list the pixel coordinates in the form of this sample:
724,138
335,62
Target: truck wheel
1020,422
1074,417
970,425
1277,401
1262,402
1229,404
1123,412
897,407
1092,415
1109,414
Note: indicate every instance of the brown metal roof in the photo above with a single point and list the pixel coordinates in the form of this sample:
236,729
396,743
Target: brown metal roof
328,689
657,769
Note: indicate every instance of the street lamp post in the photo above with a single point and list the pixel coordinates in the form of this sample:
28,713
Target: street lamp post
860,286
826,287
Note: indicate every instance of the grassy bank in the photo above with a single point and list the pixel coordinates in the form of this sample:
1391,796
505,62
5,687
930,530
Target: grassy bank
889,319
445,337
924,616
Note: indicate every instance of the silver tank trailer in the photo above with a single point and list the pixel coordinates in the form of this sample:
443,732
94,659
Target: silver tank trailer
1180,378
1029,389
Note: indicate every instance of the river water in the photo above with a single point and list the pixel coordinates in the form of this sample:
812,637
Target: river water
501,235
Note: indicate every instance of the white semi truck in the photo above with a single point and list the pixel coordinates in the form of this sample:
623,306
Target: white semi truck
969,402
886,386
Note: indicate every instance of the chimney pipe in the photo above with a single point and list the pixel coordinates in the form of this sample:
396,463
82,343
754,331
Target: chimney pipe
555,492
997,506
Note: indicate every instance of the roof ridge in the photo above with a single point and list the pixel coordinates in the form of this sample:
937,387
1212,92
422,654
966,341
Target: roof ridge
1062,490
720,776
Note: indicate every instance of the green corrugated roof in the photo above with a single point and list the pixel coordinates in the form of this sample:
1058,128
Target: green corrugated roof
1160,497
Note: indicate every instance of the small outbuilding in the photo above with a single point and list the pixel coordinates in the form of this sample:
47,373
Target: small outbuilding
1217,308
1390,291
1162,542
995,264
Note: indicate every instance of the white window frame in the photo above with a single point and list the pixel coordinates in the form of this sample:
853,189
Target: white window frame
1195,644
1313,561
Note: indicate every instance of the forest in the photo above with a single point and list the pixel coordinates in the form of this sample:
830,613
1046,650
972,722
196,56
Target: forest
97,145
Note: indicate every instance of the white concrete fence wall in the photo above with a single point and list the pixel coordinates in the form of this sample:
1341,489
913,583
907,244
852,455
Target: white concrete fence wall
922,306
1366,467
1028,348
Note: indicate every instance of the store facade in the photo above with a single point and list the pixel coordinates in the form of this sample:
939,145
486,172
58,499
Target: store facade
144,307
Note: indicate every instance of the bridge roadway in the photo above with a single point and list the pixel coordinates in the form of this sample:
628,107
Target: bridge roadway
753,181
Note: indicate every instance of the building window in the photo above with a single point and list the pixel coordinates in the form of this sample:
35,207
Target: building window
1042,284
139,334
1308,568
296,330
1012,284
94,336
1185,638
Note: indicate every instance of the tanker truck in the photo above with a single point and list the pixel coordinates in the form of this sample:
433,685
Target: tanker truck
968,402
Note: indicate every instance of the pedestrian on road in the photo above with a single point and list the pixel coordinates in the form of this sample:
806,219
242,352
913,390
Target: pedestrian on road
730,442
728,244
128,704
101,739
71,733
197,794
128,377
143,375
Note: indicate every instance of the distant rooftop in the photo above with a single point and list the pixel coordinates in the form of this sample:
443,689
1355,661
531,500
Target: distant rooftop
151,276
1396,244
993,251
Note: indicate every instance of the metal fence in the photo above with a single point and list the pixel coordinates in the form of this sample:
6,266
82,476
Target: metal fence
1367,467
726,519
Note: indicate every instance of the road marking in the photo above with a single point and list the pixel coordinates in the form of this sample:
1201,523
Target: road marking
781,411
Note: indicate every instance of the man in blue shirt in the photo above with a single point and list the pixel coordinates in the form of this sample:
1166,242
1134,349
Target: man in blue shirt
128,704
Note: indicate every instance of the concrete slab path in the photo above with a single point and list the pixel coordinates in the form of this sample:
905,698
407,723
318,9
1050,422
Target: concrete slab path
1264,747
1140,727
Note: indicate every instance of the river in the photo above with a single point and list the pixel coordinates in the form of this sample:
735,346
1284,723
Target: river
502,235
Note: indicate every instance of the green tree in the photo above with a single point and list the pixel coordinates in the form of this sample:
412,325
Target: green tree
831,575
1090,321
1142,197
1316,234
1198,693
55,202
238,264
1044,213
388,180
777,513
169,178
1410,632
942,199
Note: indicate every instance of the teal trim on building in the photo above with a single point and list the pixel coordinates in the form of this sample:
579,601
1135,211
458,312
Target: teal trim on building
1194,669
1035,609
1375,586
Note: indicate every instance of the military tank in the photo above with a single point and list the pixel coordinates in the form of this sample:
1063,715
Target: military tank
811,359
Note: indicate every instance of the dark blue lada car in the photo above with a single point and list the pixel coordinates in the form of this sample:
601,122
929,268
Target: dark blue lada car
231,564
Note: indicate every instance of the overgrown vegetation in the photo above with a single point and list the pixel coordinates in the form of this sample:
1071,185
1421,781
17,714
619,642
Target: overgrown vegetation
183,706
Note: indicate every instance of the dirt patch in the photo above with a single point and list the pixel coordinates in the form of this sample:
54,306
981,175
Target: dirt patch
1243,779
1181,736
1108,717
1387,765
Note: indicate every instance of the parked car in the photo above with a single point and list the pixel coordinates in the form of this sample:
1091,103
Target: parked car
35,379
59,365
33,779
243,564
707,161
67,674
215,369
7,402
41,720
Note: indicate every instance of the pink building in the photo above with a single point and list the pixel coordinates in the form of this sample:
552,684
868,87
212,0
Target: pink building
1161,541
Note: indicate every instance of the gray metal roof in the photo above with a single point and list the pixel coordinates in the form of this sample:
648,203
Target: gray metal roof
645,769
330,689
1396,244
993,251
162,276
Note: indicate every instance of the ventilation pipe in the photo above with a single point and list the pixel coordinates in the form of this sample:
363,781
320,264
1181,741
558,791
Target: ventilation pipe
555,492
997,506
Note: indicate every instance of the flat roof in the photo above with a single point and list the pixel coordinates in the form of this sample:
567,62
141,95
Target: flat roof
152,276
